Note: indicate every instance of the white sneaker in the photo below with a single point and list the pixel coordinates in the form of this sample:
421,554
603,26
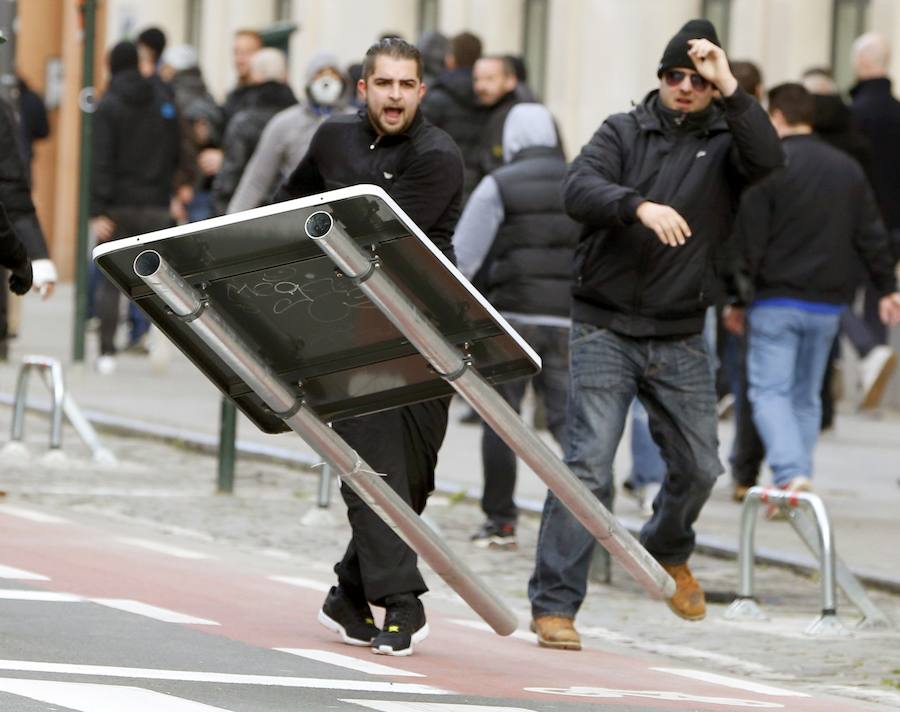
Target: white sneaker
800,483
875,370
106,365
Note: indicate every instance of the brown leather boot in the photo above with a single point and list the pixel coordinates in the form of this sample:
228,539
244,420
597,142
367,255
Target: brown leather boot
689,602
556,632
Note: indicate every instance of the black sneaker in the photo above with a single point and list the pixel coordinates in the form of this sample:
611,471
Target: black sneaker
404,625
493,535
350,618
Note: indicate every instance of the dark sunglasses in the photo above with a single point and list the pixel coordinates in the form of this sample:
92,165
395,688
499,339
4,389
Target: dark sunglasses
674,77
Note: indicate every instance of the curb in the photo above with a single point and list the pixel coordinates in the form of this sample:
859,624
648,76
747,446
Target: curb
208,444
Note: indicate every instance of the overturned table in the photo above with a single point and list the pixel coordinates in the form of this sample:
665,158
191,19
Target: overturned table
335,306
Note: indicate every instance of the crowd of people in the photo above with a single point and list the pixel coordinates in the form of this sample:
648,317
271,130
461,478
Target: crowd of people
700,247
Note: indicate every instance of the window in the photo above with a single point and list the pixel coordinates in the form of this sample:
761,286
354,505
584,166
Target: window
849,23
718,12
194,24
534,43
429,10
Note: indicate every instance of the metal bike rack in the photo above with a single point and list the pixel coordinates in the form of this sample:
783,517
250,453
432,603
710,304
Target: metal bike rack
324,498
53,368
807,514
61,405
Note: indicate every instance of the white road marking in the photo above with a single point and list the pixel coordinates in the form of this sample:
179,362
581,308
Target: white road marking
161,548
389,706
345,661
302,583
88,697
10,594
121,604
31,515
672,651
666,695
715,679
10,572
148,611
866,693
224,678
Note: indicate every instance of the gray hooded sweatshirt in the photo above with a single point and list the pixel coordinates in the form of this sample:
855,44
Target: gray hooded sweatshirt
284,142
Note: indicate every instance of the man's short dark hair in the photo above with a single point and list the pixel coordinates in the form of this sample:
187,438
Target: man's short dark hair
795,103
154,39
509,67
394,48
748,76
466,49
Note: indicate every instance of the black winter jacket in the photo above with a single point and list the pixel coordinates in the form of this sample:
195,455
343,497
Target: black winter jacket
136,145
15,189
12,251
877,114
451,104
529,266
801,231
261,103
626,280
421,169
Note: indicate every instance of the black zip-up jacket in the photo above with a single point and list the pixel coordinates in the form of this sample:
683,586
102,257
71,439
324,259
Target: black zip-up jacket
421,169
801,231
260,103
626,280
136,145
451,105
15,188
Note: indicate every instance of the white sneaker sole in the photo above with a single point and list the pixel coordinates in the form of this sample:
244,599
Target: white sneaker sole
336,627
417,637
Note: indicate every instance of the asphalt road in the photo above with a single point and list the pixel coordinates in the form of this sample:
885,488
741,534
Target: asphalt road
109,616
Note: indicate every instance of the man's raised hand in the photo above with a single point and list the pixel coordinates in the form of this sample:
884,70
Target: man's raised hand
669,226
712,64
889,309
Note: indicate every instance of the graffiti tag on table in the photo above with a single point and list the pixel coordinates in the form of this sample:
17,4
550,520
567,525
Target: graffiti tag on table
325,299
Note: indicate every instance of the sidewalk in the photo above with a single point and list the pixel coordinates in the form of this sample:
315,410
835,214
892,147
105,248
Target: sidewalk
858,465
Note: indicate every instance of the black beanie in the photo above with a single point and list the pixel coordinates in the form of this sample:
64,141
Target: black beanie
123,56
155,39
676,53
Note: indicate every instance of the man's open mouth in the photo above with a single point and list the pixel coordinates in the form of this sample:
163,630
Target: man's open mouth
393,112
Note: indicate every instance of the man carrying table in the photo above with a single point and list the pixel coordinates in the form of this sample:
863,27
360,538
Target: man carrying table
389,144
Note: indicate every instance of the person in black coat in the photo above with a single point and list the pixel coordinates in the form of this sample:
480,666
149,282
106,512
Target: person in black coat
389,144
655,192
495,82
265,96
451,104
135,159
799,234
15,196
877,114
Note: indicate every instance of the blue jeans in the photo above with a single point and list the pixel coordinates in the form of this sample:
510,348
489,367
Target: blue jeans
788,351
607,371
499,462
647,465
